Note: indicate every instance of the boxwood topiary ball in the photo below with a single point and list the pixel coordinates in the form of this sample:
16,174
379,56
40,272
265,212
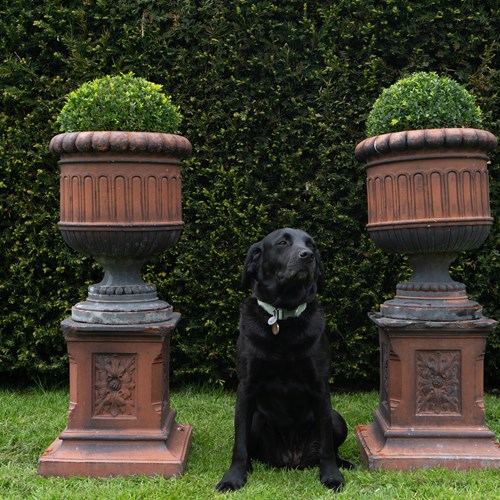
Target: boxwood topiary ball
124,102
423,101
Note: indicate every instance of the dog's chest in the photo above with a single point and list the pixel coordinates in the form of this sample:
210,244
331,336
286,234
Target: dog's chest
284,362
283,377
287,401
277,358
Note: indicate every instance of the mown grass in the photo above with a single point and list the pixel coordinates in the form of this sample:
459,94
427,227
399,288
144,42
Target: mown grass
31,418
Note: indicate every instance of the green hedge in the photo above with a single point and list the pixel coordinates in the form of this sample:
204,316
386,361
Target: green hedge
274,97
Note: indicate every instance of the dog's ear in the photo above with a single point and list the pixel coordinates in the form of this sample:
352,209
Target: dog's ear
320,279
252,263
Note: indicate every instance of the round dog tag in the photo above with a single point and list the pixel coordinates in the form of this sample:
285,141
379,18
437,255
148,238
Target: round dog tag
276,329
272,320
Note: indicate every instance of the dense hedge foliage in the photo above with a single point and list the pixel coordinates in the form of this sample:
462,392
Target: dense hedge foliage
274,97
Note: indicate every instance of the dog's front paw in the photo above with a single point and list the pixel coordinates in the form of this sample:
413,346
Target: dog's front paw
332,478
231,481
345,464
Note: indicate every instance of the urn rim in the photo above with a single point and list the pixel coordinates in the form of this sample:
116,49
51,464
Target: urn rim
425,139
117,141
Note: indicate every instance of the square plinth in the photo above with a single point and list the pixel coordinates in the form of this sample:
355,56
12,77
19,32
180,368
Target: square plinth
431,405
383,450
119,421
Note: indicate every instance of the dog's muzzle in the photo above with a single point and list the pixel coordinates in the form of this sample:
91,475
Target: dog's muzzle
300,267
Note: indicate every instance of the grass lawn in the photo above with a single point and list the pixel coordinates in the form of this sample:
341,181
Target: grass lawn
30,420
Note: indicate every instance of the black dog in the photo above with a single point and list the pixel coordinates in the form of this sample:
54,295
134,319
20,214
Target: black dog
283,414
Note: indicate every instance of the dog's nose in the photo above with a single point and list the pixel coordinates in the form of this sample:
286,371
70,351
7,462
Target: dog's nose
306,254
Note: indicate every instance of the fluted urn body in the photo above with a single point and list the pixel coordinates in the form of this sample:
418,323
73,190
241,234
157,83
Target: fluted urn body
120,199
428,197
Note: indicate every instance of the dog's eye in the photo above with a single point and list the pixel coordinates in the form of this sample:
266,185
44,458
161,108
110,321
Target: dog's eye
282,243
311,244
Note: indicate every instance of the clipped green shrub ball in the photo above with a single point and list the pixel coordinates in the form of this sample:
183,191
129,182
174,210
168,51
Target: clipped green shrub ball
422,101
124,102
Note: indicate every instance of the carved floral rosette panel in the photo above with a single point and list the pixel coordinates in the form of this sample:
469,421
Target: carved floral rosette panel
438,382
114,385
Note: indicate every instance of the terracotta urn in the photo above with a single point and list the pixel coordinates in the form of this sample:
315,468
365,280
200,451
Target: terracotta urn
121,204
428,197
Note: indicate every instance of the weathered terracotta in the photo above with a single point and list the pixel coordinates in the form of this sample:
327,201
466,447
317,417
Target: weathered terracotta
428,197
121,203
120,422
431,406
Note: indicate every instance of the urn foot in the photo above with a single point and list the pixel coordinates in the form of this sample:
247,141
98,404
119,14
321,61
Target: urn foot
431,306
130,309
431,294
122,297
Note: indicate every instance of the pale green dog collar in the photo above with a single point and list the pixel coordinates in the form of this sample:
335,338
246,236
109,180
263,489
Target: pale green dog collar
279,314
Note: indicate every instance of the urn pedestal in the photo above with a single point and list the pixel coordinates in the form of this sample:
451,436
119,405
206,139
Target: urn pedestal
428,197
121,204
120,422
431,406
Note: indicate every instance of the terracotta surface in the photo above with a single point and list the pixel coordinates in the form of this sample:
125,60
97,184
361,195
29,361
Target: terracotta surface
428,197
119,419
118,187
428,189
121,203
431,407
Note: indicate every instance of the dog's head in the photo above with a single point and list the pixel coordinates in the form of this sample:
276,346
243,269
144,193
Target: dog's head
284,269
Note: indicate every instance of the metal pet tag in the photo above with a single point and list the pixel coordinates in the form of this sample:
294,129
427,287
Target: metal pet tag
276,328
272,320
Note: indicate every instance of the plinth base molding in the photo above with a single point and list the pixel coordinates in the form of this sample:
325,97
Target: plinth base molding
424,452
104,457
